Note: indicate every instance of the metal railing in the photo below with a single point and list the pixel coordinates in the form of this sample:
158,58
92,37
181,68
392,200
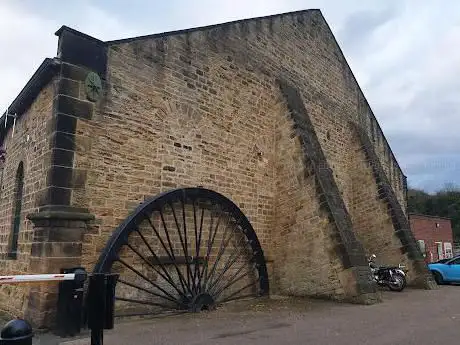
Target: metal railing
84,301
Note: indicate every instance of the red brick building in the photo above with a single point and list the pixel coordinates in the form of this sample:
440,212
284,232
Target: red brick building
434,236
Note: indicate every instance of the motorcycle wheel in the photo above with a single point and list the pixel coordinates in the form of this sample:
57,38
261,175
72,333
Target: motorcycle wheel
398,284
403,277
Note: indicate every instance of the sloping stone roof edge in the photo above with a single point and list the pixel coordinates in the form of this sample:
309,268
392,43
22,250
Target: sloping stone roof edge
210,27
42,76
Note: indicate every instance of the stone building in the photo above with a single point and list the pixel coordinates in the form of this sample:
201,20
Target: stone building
264,113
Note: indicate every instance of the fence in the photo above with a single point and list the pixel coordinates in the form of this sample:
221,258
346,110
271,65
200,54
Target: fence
84,301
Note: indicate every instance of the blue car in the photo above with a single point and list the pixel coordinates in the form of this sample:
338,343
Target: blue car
446,271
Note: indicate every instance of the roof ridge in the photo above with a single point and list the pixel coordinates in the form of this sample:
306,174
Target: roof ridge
208,27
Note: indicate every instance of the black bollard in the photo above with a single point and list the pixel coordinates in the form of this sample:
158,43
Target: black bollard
100,305
16,332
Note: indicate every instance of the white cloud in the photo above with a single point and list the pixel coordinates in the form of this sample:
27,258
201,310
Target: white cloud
404,53
408,68
414,51
24,46
27,38
98,23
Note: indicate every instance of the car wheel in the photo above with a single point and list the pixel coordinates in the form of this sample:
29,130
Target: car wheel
438,278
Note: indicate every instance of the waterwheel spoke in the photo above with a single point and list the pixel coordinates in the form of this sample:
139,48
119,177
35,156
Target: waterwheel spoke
182,241
232,280
211,237
189,273
198,233
166,275
223,246
172,250
231,260
199,271
219,253
195,229
153,293
179,273
171,282
171,298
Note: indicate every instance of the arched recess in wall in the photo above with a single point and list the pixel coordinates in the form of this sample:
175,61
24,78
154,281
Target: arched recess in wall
17,208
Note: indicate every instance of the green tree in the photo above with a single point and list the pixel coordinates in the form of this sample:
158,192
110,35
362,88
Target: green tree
443,203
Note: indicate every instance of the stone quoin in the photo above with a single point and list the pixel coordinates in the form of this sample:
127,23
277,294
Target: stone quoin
264,111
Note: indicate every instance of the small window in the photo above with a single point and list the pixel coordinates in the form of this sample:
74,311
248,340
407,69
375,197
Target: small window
17,206
437,225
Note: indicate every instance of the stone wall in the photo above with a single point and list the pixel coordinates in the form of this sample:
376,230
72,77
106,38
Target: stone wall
418,274
201,108
306,263
147,141
371,220
29,145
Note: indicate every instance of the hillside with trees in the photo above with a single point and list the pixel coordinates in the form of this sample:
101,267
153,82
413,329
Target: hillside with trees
444,203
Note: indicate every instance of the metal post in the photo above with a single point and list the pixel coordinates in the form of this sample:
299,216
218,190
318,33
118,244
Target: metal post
95,307
100,305
97,337
111,282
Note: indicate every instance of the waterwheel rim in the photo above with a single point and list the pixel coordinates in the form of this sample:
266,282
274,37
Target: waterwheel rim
185,250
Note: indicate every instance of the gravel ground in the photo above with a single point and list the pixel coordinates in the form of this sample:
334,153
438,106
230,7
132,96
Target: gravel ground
410,317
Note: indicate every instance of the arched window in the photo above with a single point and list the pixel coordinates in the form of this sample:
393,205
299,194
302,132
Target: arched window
17,205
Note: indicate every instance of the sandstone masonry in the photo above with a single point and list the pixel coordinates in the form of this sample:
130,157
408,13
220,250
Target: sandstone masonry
265,111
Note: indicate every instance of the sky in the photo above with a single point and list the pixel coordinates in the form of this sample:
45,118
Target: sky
405,55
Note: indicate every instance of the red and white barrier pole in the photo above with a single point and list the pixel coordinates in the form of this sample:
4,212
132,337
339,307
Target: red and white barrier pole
36,278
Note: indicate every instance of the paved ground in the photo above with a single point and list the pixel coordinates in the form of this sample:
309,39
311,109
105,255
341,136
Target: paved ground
411,317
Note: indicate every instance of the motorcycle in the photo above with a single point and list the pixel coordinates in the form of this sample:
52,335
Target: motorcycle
392,277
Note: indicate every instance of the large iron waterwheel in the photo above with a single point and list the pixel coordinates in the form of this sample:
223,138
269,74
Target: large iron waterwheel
185,250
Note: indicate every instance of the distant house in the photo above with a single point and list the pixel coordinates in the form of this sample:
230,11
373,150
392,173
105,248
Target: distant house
434,236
